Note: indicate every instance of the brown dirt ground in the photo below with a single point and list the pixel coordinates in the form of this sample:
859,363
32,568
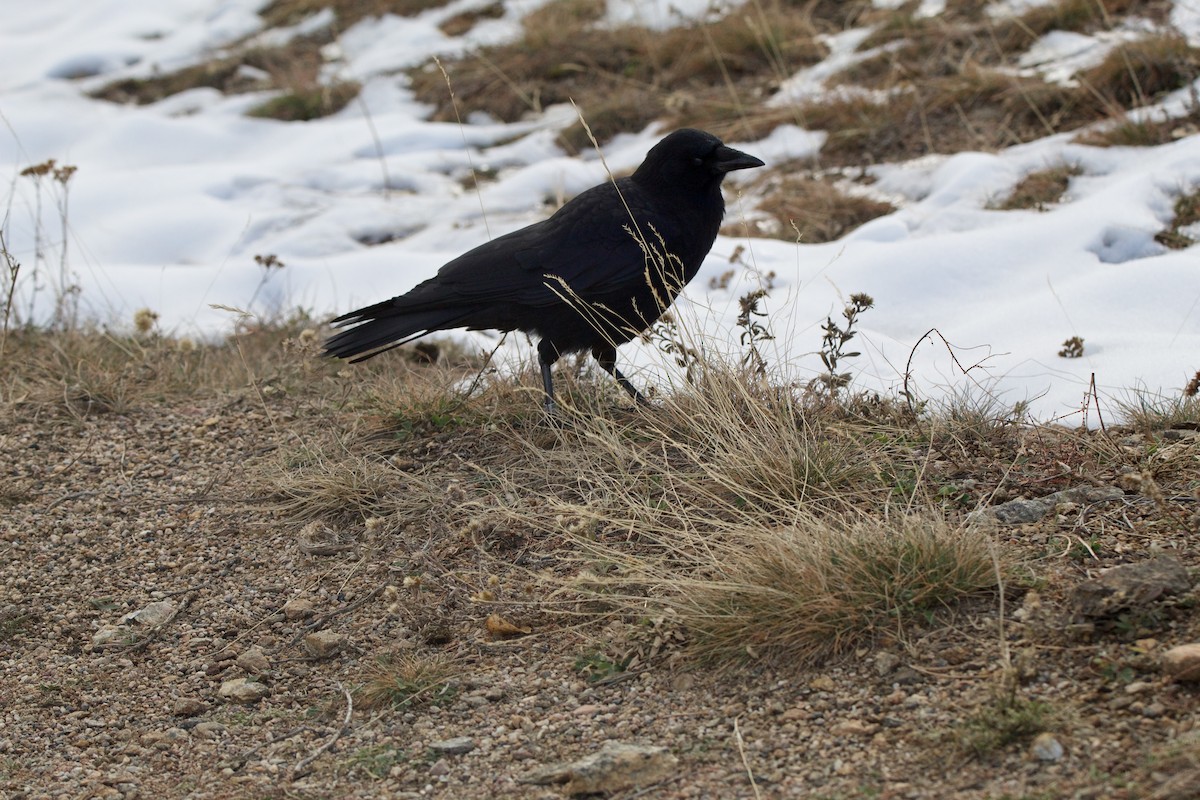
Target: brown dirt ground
103,513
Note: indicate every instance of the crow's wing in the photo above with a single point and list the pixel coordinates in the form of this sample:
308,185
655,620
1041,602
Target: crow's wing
591,243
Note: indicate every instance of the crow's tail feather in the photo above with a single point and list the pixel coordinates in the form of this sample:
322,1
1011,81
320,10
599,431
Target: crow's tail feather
378,328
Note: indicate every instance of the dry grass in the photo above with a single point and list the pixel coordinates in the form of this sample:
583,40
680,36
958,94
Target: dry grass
947,85
461,23
1186,214
289,12
1082,16
1136,73
1148,411
89,371
299,105
736,509
1145,132
292,70
623,79
1041,189
813,210
820,588
407,680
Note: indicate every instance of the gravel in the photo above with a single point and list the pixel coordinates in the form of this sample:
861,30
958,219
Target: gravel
164,634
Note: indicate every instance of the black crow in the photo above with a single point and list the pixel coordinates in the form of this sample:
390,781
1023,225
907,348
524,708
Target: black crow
594,275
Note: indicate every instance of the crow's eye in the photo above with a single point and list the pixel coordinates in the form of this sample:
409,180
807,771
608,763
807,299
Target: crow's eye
697,161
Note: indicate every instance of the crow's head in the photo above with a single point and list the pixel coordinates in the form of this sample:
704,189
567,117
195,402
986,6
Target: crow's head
690,160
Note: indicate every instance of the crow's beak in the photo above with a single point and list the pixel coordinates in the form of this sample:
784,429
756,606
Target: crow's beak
727,160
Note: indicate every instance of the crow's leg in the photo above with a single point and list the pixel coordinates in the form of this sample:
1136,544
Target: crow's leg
606,357
547,355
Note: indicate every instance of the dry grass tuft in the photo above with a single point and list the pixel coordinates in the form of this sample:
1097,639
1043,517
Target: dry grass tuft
331,481
1149,412
734,509
812,210
820,588
1186,215
1143,132
1041,189
292,70
408,680
289,12
300,105
1136,73
95,370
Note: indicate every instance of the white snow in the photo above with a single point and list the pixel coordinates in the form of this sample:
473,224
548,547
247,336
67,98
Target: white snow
172,201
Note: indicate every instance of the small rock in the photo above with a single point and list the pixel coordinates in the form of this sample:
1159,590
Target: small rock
822,683
439,768
1137,687
109,635
1022,512
254,661
613,768
297,608
1131,586
853,727
1182,663
243,690
208,730
151,615
188,707
1046,747
1154,710
886,662
324,644
453,747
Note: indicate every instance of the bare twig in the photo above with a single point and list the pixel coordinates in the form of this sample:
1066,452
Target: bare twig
303,765
321,621
241,760
908,397
737,734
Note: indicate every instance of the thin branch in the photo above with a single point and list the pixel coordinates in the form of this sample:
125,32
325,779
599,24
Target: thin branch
299,768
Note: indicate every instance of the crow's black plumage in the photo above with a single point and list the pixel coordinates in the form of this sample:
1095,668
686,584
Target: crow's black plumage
593,276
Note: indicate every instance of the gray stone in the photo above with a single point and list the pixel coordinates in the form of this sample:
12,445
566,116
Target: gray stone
453,747
615,767
254,661
1022,512
324,644
1046,747
208,730
150,615
297,608
188,707
243,690
886,662
1131,586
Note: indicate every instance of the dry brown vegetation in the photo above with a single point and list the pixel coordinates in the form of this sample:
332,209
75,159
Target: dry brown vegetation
814,210
1187,213
291,70
347,12
1041,189
622,79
